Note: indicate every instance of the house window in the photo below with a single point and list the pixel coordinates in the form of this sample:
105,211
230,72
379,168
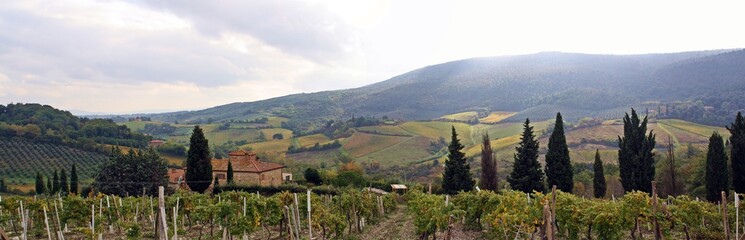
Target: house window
220,176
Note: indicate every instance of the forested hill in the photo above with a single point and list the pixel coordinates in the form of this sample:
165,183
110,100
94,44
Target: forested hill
696,86
46,124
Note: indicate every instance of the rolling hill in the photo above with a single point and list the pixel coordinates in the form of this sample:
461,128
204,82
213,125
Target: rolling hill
535,85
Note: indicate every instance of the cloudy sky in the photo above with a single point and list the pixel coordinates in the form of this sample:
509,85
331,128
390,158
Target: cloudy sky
114,56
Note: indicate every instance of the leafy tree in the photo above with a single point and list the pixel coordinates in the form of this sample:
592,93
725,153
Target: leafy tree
598,181
277,136
457,176
737,143
559,170
64,188
350,178
73,180
526,174
128,174
230,173
635,157
55,183
489,178
717,179
198,164
313,176
39,183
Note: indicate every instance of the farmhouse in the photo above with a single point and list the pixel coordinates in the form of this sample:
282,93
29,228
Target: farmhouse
248,169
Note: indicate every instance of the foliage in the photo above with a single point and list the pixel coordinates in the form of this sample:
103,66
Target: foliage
198,162
737,141
717,177
74,180
132,173
317,147
457,176
526,175
229,176
64,187
635,156
598,183
39,183
558,165
489,178
431,212
313,176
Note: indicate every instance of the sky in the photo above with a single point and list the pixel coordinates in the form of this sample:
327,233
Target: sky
139,56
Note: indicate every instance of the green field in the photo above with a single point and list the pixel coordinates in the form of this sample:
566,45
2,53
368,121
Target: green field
361,144
409,150
464,116
496,117
435,130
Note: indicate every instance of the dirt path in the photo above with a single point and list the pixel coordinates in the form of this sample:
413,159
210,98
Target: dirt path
396,226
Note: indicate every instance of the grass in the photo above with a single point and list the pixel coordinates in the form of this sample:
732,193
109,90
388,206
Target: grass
694,128
435,130
463,116
495,117
403,153
497,144
283,144
277,121
221,137
361,144
386,130
138,126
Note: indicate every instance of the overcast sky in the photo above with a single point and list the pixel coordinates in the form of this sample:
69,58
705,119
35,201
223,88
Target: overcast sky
149,56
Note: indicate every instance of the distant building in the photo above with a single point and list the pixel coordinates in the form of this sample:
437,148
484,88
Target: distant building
176,179
156,143
248,169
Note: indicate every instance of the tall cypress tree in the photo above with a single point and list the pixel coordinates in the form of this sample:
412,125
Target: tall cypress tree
598,182
526,174
50,186
198,162
489,178
64,188
737,143
230,173
73,180
457,176
559,170
55,183
39,183
635,157
717,179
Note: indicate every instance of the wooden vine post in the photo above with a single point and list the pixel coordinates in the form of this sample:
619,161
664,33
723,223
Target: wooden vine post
161,228
724,215
657,233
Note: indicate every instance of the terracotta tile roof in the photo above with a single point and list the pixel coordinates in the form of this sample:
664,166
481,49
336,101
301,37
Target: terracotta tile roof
245,166
174,174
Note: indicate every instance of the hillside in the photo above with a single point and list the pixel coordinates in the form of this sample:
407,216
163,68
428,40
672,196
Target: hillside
21,159
535,85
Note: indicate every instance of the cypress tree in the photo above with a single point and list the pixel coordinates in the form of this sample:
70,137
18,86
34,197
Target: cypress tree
3,186
55,183
737,143
559,170
598,181
50,186
635,157
717,179
73,180
489,178
526,174
198,163
230,173
215,186
64,188
457,176
39,183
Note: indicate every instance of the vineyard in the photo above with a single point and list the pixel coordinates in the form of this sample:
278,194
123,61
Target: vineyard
21,159
516,215
196,216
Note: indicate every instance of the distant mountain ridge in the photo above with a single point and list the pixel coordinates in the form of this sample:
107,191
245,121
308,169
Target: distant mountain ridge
587,83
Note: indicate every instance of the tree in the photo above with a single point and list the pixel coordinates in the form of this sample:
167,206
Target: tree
230,173
717,179
671,181
313,176
198,164
635,157
73,180
277,136
457,176
3,185
39,183
216,186
598,181
128,174
526,174
55,183
50,187
559,170
489,178
64,188
737,143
